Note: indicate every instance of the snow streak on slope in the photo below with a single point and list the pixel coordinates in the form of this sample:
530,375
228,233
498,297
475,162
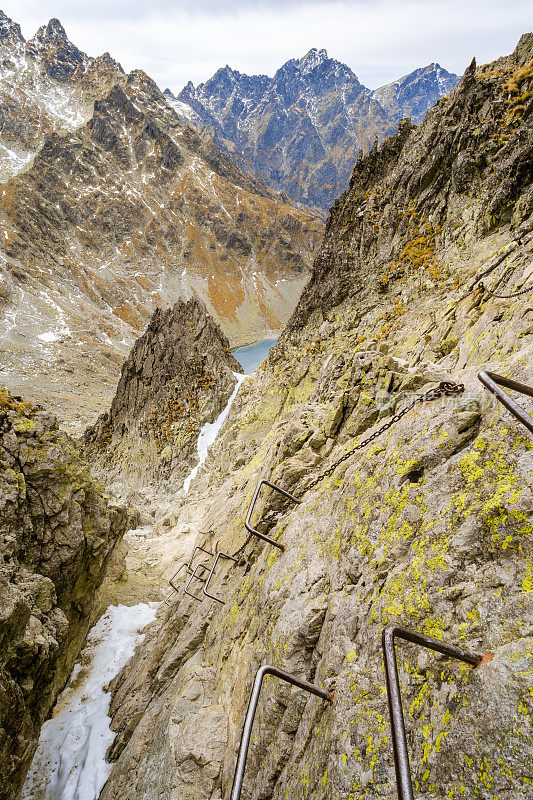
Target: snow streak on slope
70,760
209,433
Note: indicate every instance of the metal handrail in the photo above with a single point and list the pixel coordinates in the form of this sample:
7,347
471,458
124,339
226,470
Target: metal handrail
248,521
252,708
213,568
492,381
196,577
399,739
187,566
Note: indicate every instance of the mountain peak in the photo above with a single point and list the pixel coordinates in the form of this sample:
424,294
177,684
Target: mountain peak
9,29
60,59
55,30
52,33
413,94
226,71
312,59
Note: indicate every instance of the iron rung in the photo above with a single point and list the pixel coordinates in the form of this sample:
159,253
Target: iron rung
492,381
399,739
248,521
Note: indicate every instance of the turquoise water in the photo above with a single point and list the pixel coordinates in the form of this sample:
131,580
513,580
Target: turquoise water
251,356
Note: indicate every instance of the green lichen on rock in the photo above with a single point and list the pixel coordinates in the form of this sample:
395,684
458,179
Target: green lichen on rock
429,526
57,535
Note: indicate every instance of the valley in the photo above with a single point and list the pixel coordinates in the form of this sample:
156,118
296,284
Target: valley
193,326
129,211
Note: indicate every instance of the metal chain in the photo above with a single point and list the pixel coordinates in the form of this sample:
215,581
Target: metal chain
528,289
444,389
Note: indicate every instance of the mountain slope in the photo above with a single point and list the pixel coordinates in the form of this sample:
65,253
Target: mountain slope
429,526
132,211
301,130
46,85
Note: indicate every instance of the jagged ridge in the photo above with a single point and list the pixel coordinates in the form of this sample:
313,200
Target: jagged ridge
301,130
429,527
178,376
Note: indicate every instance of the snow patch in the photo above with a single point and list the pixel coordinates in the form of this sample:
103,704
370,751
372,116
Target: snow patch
13,161
209,433
69,763
183,109
49,336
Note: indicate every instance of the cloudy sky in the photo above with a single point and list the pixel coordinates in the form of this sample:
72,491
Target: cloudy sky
190,39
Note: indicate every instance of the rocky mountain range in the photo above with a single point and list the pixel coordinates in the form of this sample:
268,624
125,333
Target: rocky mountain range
301,130
424,276
423,519
115,212
46,85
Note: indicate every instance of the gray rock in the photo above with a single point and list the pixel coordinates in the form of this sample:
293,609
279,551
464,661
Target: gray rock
57,533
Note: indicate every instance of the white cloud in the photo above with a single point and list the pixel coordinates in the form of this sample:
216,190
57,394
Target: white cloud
379,40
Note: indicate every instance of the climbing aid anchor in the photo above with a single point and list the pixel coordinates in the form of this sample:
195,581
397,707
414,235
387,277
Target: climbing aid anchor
493,382
399,738
252,708
212,572
248,521
188,571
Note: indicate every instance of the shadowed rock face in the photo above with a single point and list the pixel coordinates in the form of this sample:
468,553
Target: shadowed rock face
429,526
57,535
301,130
178,376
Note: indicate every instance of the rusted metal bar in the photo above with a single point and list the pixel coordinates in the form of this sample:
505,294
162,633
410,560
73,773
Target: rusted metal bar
492,381
248,521
213,568
252,708
399,738
174,578
196,577
187,567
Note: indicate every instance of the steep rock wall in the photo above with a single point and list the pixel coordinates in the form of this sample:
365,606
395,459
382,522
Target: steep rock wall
178,376
57,535
429,526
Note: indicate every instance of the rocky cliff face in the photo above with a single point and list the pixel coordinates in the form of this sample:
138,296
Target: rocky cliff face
46,85
178,376
57,535
301,130
429,526
413,95
127,213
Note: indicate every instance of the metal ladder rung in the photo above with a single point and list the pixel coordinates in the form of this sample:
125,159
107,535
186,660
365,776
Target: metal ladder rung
196,577
248,520
213,568
492,381
252,708
188,570
399,739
